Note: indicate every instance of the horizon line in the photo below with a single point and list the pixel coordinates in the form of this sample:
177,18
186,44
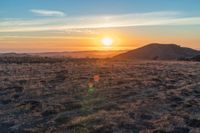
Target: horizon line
106,50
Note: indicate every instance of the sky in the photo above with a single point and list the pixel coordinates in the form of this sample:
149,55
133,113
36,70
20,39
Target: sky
79,25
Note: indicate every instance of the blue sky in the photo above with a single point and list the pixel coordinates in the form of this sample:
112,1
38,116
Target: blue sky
25,23
20,8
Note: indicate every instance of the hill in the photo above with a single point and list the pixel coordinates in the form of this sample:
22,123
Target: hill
156,51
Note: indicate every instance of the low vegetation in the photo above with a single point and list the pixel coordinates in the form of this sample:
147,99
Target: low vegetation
99,96
29,59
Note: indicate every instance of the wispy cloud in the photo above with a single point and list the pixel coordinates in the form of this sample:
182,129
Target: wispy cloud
103,21
42,12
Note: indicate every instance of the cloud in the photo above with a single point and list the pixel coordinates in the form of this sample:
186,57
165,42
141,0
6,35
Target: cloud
102,21
41,12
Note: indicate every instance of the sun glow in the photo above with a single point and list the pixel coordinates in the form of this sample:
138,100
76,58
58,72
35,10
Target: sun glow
107,41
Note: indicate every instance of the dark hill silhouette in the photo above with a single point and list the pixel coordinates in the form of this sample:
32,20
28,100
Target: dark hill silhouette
159,51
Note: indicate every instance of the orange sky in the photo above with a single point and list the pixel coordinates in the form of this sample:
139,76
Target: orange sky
123,39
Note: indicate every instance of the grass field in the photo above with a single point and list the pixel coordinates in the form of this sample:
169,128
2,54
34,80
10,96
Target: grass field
100,96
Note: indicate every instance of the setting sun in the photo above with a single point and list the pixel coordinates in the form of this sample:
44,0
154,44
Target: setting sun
107,41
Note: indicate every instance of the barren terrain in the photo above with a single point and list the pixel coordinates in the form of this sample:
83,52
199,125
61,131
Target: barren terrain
100,96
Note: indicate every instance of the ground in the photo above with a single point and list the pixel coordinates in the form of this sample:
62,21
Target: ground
100,96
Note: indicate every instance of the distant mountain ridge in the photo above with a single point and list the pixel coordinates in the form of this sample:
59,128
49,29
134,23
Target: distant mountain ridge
81,54
156,51
13,55
71,54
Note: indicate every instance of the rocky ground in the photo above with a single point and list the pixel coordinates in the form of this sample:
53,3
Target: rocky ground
100,96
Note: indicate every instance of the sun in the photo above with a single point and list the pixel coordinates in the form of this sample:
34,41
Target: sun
107,41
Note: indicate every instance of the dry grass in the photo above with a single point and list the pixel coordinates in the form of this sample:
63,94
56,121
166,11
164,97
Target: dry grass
130,97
